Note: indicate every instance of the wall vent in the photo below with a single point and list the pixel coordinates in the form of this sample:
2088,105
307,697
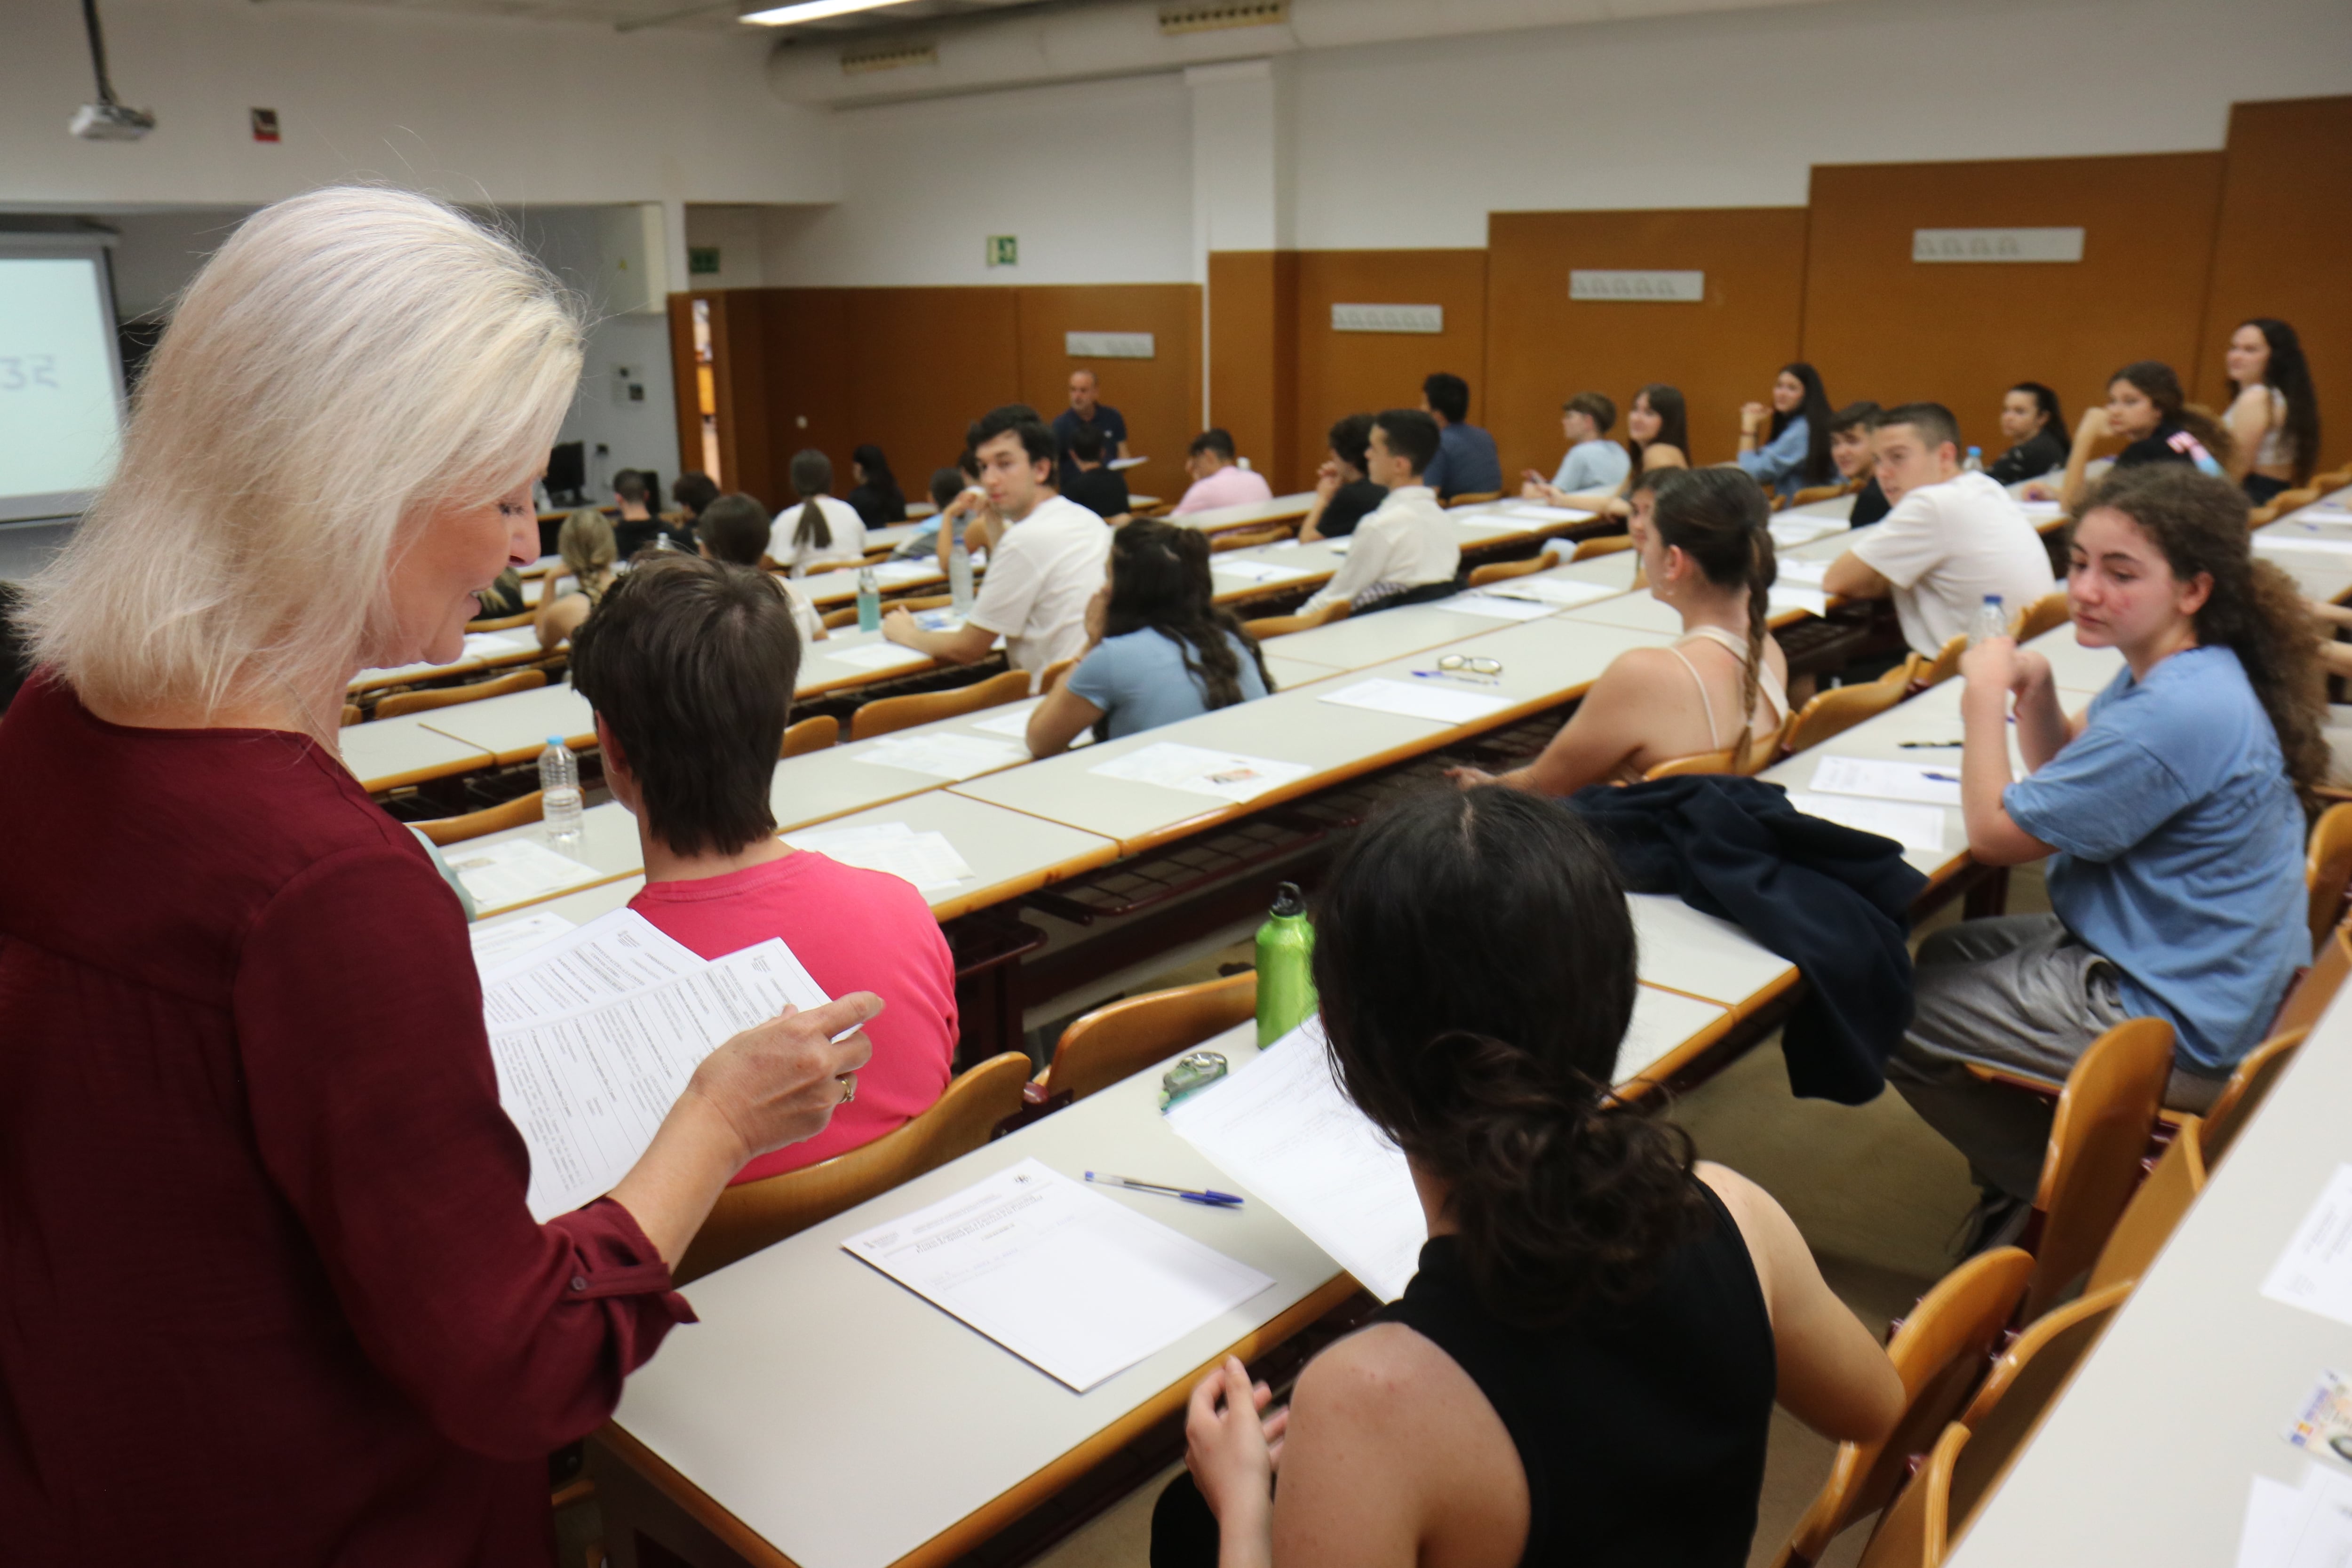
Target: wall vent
887,57
1213,15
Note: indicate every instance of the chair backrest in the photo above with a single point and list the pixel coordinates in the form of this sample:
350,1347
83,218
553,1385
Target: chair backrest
2153,1213
2096,1140
1916,1530
2250,1084
1283,626
1474,498
2331,963
761,1214
1053,674
1724,762
450,696
1246,538
1942,667
1840,709
1607,544
352,714
1813,493
2019,1390
1939,1352
888,713
2290,500
1123,1038
810,735
2327,869
1504,570
503,622
2046,614
447,830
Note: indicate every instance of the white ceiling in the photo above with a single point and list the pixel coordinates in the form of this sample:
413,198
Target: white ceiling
708,16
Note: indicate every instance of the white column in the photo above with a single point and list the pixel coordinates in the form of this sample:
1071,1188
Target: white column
1241,186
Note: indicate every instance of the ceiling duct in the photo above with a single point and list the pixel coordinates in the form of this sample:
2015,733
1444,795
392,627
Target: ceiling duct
1218,15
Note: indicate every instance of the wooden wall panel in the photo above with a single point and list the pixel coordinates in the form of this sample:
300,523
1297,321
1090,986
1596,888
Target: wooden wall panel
1543,348
1880,325
2283,235
808,348
1349,372
1159,398
1252,359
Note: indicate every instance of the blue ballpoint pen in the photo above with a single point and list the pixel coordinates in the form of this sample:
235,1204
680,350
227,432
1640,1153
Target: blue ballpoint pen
1207,1197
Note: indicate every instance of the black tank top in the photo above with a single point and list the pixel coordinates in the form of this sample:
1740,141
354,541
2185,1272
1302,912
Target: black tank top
1641,1425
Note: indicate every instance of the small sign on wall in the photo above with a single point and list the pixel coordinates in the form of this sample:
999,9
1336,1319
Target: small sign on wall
702,260
1639,286
1004,250
1996,245
264,124
1110,346
1387,318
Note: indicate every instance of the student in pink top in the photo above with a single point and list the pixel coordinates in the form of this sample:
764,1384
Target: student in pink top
689,664
1217,478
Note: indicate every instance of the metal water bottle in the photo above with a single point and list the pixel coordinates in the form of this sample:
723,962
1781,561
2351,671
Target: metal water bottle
1285,978
869,601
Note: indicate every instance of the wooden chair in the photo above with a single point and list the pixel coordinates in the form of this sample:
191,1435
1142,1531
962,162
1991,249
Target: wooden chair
1504,570
2261,515
503,622
2019,1392
2155,1210
1916,1530
1283,626
1840,709
1249,538
2327,870
450,696
2097,1140
1939,1352
1813,493
1940,668
352,714
810,735
1607,544
447,830
2250,1084
2287,501
1051,675
2324,483
1474,498
761,1214
2046,614
1125,1037
847,614
1759,753
888,713
2311,993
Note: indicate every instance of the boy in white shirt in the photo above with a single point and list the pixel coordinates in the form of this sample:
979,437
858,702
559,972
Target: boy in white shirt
1950,539
1406,550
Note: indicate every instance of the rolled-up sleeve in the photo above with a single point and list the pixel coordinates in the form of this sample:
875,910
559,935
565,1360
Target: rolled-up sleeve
374,1102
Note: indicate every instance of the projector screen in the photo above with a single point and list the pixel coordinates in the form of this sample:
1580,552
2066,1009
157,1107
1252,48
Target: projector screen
60,378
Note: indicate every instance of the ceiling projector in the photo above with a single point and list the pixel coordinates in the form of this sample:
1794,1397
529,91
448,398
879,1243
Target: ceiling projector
111,122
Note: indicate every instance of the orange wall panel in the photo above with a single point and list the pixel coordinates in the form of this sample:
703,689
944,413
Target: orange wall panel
1340,373
1252,357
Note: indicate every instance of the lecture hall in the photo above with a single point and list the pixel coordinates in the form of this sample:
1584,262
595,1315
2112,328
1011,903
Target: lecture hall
1175,783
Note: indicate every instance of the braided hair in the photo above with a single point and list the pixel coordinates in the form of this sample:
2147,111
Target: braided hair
1720,517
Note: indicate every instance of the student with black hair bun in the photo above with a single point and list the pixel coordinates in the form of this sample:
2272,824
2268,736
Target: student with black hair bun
2035,426
1786,446
1583,1371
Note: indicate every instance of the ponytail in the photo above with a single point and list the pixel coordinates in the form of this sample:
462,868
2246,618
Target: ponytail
812,528
1720,517
811,477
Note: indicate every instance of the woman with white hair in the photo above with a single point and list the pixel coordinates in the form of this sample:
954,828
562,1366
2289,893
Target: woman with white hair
268,1280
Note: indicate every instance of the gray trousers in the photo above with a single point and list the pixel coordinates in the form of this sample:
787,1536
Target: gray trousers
2019,992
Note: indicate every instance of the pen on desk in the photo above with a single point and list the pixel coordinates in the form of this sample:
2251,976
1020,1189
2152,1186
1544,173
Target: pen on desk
1449,675
1940,778
1212,1198
1931,745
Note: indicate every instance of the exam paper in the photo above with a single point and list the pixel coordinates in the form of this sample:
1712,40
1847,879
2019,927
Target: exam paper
587,1091
492,645
944,619
1566,591
1257,570
512,870
1789,531
1281,1127
1498,608
1012,719
941,754
1812,601
1661,1021
878,655
1539,512
616,955
1195,771
1803,572
899,573
1117,464
2271,542
1913,826
1419,700
2291,1527
1071,1280
1930,784
498,944
2315,1272
928,860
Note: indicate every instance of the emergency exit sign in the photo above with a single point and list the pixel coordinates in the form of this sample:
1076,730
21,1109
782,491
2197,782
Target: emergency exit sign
1004,250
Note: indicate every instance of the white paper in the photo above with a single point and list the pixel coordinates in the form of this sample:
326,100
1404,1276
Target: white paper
1542,513
1117,464
1913,826
616,955
1225,774
2309,1527
2273,1513
1661,1021
1420,700
940,620
928,860
1257,570
1812,601
899,573
2038,509
492,645
1496,608
2271,541
588,1091
1930,784
501,943
1795,528
514,870
878,655
2315,1272
1803,572
1567,592
1281,1127
941,754
1071,1280
1012,719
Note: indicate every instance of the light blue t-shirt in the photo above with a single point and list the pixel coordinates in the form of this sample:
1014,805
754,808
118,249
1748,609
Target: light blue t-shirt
1779,464
2182,843
1592,466
1139,682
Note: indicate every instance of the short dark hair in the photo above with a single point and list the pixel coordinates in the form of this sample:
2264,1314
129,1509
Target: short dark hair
1411,435
629,485
691,664
1932,420
1350,439
946,485
1448,394
693,490
1086,445
1594,405
736,529
2045,402
997,421
1021,420
1218,441
1861,416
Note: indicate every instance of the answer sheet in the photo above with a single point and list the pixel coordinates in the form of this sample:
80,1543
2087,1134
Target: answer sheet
941,754
1012,719
614,956
2271,541
501,943
877,656
1431,699
1929,783
1913,826
1071,1280
928,860
1797,596
2315,1272
1225,774
1281,1127
1537,511
1496,607
515,870
1257,570
1804,573
494,644
1565,592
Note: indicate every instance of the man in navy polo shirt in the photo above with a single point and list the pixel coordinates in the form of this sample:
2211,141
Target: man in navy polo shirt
1088,412
1467,463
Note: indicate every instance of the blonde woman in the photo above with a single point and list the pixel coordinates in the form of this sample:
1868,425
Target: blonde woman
267,1272
588,549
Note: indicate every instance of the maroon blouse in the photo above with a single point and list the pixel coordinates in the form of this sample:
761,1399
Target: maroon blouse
269,1291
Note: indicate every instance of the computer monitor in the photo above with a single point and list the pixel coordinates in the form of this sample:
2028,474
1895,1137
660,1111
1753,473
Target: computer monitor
567,473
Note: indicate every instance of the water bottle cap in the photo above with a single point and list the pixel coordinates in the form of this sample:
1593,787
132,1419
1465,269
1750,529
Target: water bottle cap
555,739
1288,901
1992,598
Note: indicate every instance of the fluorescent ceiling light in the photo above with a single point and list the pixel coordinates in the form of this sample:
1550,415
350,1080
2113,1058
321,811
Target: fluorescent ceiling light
811,11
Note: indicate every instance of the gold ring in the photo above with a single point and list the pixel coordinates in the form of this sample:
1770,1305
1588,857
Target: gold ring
848,1082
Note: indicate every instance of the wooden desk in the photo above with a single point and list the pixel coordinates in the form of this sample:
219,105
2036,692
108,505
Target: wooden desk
1376,638
515,728
392,752
1009,854
824,669
1250,514
2322,569
608,846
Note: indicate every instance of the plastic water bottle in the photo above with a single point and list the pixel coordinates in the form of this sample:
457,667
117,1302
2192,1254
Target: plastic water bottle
959,578
1992,621
869,601
559,794
1974,462
1285,976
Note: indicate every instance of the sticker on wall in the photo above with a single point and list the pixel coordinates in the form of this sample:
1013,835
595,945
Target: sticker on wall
1004,250
702,260
1387,318
1110,346
1653,287
1996,245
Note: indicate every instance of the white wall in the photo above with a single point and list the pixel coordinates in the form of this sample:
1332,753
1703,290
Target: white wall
635,435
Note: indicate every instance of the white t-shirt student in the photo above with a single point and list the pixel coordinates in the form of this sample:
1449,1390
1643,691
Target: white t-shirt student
1041,574
1944,547
846,548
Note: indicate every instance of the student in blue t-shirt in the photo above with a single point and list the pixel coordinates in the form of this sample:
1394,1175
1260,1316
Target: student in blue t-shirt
2173,811
1157,648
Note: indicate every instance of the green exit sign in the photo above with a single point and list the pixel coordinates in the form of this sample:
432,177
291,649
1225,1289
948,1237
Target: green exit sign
1004,250
702,260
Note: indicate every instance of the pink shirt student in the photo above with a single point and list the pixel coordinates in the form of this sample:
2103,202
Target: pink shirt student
1229,485
854,930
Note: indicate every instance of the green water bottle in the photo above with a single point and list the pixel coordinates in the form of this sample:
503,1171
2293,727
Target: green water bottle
1285,978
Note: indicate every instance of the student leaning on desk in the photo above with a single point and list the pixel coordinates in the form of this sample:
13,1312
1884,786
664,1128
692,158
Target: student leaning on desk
269,1287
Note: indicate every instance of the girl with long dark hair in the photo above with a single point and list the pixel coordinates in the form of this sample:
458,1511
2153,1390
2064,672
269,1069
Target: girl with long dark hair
2146,407
2035,426
1786,446
2273,410
1159,649
1584,1369
819,530
1658,430
876,496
